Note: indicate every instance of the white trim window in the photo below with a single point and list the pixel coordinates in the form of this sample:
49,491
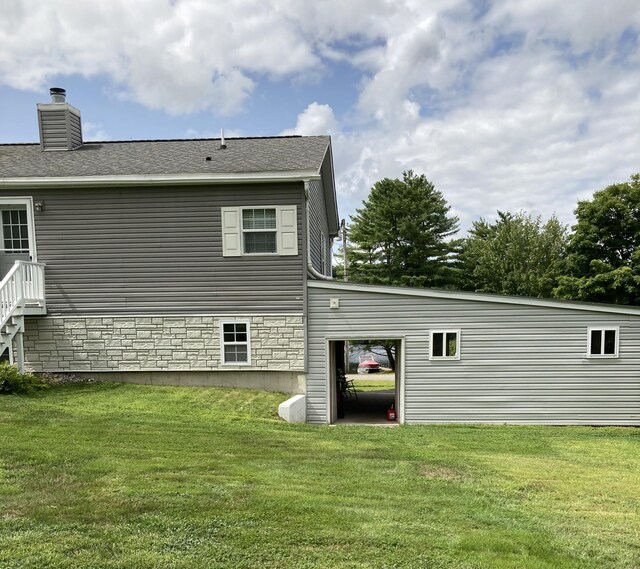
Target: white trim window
259,230
444,345
602,342
235,342
15,229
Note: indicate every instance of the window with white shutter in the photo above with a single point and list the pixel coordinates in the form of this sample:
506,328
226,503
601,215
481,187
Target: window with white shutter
271,230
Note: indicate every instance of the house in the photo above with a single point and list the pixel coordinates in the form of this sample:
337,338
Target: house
207,262
164,261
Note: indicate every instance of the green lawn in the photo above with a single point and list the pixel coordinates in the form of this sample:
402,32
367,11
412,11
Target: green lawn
374,382
113,475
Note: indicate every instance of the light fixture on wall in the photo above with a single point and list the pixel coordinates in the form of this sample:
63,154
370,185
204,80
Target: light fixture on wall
39,205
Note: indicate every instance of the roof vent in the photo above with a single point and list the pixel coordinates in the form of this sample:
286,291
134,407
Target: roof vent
59,123
222,143
58,95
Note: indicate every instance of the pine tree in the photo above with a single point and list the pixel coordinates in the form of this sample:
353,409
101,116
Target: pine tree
400,235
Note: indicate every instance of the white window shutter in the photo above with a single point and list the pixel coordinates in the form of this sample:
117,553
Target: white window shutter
231,234
288,230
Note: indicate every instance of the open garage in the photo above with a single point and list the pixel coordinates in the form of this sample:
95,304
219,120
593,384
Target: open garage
479,358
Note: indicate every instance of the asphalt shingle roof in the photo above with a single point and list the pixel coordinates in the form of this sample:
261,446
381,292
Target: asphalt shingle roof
157,157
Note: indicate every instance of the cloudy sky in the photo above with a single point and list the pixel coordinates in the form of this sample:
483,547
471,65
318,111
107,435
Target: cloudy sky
512,105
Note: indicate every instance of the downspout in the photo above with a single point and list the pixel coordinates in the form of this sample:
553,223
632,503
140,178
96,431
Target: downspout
310,268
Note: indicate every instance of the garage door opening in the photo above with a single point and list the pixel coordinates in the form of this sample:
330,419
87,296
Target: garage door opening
364,383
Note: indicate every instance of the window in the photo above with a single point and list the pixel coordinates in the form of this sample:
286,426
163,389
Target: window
236,346
445,345
15,231
603,342
270,230
259,230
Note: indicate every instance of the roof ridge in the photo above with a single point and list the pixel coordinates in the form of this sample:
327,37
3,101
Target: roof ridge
227,138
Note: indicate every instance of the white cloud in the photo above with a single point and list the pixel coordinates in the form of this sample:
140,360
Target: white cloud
181,57
525,105
315,119
93,132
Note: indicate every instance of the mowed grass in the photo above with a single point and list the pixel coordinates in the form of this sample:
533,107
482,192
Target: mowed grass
114,475
373,382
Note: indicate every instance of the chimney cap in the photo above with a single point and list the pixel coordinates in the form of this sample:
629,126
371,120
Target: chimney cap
58,95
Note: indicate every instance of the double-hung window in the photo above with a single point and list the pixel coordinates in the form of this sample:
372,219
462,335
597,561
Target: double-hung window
266,230
15,230
603,342
444,345
235,343
259,230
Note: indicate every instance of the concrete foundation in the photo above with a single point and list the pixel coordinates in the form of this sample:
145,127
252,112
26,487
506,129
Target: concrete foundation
294,410
284,382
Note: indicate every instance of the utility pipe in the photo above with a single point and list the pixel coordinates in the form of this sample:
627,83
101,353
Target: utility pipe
310,268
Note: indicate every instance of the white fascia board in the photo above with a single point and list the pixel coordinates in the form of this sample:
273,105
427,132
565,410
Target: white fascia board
58,107
475,297
159,179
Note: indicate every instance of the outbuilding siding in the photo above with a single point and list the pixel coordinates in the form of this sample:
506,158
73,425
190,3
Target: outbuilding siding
518,364
159,250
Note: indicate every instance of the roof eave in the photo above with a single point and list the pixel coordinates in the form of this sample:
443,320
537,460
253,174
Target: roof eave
477,297
331,199
159,179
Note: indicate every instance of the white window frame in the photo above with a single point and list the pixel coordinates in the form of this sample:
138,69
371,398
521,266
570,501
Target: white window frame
223,343
444,339
28,202
602,329
243,231
286,230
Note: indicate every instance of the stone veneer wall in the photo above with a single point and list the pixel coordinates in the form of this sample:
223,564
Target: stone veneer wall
158,343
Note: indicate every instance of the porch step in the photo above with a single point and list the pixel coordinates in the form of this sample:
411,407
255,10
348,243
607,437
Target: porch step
21,292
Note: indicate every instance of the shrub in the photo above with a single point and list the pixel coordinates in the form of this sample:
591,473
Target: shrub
12,381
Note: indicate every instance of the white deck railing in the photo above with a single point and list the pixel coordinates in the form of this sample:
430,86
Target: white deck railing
24,284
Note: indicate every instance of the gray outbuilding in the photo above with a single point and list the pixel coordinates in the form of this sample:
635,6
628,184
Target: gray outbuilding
479,358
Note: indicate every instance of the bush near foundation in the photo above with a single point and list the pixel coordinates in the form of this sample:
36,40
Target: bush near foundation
12,381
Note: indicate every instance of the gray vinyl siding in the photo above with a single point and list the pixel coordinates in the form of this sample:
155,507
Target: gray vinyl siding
318,227
518,364
75,130
159,250
60,129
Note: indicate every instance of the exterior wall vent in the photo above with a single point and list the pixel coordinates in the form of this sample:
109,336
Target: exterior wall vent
59,123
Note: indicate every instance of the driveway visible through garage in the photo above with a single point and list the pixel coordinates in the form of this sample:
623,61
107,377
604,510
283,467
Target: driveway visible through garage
369,407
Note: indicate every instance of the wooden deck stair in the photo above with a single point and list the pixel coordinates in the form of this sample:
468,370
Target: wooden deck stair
21,292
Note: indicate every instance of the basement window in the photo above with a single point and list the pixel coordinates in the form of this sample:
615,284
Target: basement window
444,345
603,342
235,343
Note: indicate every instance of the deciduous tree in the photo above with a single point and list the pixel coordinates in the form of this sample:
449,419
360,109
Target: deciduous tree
517,254
603,261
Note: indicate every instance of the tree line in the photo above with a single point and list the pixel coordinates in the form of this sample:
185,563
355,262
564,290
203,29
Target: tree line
404,234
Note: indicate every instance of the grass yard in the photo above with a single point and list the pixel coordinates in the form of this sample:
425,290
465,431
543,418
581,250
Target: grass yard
373,382
115,475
